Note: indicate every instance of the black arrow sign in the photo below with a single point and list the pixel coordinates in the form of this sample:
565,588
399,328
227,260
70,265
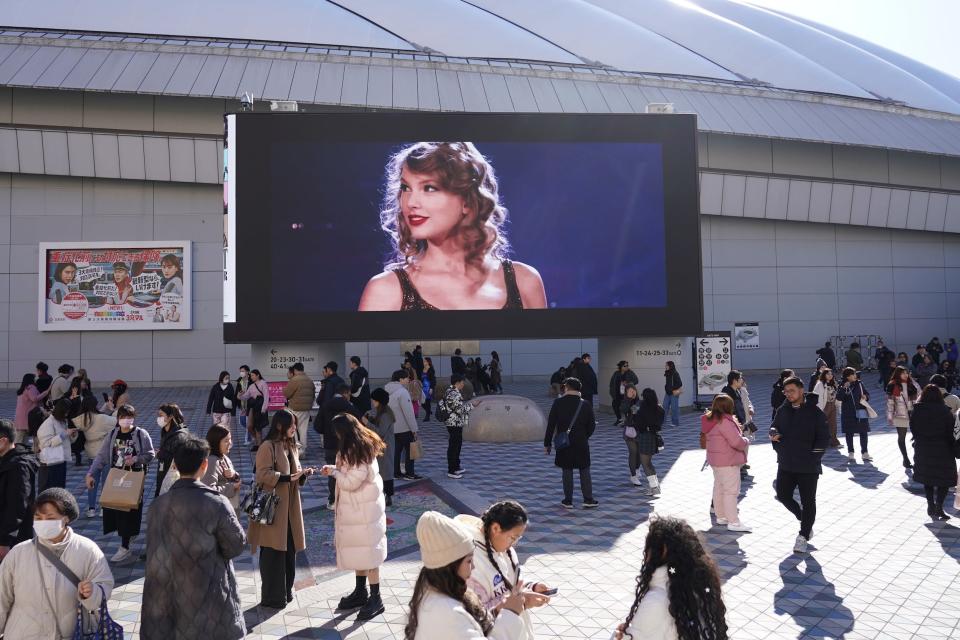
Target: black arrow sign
703,343
724,342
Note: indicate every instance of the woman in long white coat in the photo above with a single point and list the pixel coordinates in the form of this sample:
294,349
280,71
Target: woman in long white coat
37,602
442,606
360,527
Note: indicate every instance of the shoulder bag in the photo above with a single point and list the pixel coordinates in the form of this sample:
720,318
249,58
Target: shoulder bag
562,439
865,411
261,504
104,628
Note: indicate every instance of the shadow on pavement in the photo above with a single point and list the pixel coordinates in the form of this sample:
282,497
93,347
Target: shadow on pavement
808,595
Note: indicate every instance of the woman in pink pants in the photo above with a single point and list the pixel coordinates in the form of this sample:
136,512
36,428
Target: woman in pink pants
726,452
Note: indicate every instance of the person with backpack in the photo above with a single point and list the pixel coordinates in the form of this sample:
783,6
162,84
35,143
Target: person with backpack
455,413
570,425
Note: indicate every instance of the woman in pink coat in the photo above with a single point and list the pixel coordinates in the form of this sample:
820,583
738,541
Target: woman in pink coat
726,452
28,399
360,527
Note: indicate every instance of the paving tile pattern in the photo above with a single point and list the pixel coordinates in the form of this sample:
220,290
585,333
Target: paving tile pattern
878,566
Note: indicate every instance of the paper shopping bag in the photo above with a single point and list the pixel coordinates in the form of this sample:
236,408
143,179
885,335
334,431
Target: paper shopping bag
416,450
123,490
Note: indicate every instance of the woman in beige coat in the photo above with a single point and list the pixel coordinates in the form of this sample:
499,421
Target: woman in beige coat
279,470
37,602
360,533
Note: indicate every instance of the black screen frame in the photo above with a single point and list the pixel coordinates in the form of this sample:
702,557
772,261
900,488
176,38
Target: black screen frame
255,322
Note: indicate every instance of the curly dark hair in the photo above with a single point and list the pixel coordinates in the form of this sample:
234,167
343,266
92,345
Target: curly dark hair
696,604
507,514
445,580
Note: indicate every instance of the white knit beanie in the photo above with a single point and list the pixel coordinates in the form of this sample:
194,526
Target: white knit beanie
442,541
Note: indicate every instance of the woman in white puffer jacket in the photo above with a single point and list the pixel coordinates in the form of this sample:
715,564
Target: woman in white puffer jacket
442,606
360,528
496,567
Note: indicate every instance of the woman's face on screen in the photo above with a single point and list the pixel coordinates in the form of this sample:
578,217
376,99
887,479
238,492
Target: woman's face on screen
428,210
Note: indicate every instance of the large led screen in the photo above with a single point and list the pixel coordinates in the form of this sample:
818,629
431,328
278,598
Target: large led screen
376,226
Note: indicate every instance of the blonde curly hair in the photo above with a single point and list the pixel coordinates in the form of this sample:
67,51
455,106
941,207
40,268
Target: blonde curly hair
461,169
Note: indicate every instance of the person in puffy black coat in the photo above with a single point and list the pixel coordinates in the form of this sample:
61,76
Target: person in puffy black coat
18,484
577,455
933,441
222,401
190,590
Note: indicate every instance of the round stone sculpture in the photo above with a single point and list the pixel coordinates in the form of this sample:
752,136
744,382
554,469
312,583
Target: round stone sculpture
501,418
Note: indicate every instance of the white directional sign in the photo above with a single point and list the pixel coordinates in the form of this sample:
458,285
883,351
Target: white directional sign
712,362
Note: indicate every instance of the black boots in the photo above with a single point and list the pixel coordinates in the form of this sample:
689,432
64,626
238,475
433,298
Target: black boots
372,608
357,599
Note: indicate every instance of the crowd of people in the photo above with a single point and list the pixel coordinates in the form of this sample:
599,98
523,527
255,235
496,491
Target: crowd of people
470,584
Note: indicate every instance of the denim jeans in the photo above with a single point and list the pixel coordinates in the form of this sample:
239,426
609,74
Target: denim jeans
671,406
99,481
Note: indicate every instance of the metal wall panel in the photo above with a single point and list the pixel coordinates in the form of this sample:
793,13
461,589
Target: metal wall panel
13,62
448,86
160,73
206,160
592,98
9,156
546,95
135,71
132,165
404,85
58,70
936,212
254,77
798,201
472,92
185,74
734,188
209,75
521,94
820,195
860,207
228,84
182,162
156,158
106,156
879,207
498,97
329,83
55,157
30,150
81,75
899,203
841,202
428,92
755,197
614,97
917,210
380,86
279,80
80,148
303,86
106,76
354,85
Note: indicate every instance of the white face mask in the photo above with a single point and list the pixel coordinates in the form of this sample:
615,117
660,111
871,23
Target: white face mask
243,374
126,422
48,529
224,386
161,421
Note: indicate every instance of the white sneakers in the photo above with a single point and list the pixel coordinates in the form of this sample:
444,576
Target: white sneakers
91,513
122,555
739,527
867,457
635,480
851,457
722,522
800,545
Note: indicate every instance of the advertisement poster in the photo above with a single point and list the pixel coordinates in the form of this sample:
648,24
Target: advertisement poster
276,399
712,361
114,286
746,335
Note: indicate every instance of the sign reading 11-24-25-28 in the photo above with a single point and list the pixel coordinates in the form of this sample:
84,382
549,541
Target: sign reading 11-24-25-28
712,361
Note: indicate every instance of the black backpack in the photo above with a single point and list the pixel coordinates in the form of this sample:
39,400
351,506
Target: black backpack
443,411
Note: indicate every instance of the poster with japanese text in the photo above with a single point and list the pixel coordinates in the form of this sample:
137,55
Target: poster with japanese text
95,286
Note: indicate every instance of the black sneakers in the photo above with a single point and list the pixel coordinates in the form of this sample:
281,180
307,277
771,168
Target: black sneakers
566,504
590,504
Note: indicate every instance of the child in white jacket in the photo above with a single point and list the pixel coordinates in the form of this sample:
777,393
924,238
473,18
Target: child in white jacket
442,606
496,567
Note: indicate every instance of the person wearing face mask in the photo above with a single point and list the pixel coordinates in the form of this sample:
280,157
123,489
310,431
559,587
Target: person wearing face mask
190,590
172,434
54,437
222,401
127,446
18,483
242,383
38,601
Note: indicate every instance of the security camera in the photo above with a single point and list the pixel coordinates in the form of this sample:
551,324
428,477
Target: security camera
246,101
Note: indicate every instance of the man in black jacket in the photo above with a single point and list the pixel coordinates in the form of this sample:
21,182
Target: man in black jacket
328,388
457,364
800,437
827,354
571,414
359,385
339,403
18,479
588,378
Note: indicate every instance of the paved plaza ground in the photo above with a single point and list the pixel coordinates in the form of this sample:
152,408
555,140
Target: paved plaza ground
878,566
